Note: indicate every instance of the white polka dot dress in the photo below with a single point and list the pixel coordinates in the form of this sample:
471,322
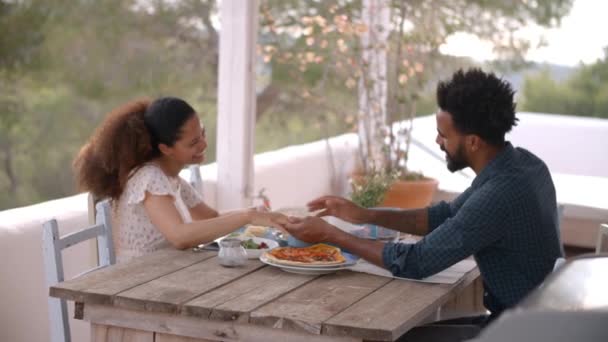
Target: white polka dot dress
133,232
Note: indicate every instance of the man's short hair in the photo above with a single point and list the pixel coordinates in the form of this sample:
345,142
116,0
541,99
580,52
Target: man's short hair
480,103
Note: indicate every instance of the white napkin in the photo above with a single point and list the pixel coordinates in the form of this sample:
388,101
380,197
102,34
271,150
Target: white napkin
450,275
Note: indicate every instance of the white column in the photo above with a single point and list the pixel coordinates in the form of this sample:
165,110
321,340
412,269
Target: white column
373,83
236,103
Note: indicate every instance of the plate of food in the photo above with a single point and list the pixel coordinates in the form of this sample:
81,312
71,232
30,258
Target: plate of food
306,270
316,259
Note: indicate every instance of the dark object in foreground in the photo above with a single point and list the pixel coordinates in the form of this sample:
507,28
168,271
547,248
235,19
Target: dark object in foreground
571,305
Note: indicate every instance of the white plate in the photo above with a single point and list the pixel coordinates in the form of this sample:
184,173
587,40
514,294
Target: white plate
308,269
256,253
351,260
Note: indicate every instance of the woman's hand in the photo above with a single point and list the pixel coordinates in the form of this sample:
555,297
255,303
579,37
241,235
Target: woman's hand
339,207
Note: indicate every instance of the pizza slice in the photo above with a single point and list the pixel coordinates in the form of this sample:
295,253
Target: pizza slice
319,254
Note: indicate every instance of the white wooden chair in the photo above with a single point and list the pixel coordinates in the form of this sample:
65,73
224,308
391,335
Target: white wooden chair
560,217
196,180
602,239
52,246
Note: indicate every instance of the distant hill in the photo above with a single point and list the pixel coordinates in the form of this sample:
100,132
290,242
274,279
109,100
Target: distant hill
516,77
559,73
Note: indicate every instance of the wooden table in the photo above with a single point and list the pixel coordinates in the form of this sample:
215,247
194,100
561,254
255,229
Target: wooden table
173,295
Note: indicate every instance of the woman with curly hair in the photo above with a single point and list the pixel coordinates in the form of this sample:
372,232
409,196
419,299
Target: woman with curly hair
134,158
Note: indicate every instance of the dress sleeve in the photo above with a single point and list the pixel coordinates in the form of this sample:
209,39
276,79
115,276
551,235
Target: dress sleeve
147,179
189,195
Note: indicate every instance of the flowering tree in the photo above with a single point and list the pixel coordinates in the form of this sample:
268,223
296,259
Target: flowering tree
384,53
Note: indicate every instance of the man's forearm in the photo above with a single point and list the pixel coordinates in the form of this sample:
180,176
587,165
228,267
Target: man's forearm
411,221
369,250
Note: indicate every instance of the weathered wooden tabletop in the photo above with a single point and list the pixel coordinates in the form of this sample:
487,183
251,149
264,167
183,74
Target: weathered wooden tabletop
189,285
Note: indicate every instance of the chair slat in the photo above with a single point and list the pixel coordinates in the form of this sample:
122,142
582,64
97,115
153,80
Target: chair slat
602,239
105,251
53,244
53,266
196,180
80,236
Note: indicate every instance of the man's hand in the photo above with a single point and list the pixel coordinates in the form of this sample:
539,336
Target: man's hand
339,207
313,229
310,229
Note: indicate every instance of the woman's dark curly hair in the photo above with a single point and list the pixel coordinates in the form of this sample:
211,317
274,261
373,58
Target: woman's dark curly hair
125,140
479,103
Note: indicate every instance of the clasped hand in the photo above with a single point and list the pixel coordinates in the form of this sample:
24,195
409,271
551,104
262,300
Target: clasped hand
313,229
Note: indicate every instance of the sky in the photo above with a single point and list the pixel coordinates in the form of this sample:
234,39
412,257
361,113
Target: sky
581,37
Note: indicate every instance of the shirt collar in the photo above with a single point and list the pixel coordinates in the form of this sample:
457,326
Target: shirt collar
496,164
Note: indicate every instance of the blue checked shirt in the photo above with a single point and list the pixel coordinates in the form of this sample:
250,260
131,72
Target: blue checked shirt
506,219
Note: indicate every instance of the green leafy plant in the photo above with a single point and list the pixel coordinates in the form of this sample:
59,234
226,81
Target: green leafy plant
369,189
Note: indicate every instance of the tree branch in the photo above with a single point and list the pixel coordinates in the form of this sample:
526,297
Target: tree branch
9,169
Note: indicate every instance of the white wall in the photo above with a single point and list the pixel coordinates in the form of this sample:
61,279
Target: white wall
23,316
568,144
306,171
293,175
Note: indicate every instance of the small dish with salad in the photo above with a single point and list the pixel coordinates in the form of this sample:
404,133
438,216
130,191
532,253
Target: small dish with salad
255,246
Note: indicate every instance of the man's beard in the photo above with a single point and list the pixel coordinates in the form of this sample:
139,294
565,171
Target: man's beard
457,161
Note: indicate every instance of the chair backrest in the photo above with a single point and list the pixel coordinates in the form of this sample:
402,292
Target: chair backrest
561,260
53,244
602,239
560,216
92,201
196,180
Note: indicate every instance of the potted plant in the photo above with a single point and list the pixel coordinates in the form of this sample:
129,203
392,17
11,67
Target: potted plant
369,191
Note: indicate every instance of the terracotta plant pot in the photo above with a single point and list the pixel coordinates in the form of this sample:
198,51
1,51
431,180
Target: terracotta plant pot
410,194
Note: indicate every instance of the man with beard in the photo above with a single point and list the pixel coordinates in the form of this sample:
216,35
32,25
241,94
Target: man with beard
506,219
